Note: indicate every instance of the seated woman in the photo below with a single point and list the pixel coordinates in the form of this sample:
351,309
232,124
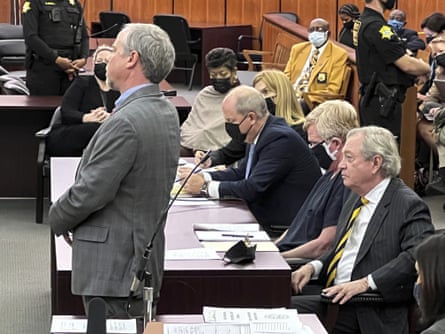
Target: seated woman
433,102
281,102
86,104
204,127
429,290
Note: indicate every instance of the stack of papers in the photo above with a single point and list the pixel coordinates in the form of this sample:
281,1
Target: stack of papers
219,320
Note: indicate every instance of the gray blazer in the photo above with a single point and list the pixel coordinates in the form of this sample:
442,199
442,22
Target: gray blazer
122,187
437,328
400,222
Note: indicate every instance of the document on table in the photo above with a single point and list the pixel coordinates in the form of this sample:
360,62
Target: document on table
206,329
60,324
247,315
223,246
192,254
226,227
231,236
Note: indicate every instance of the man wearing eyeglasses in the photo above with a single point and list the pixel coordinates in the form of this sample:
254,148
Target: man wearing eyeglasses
316,66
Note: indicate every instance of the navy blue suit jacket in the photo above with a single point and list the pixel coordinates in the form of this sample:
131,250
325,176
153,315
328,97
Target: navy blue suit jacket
282,175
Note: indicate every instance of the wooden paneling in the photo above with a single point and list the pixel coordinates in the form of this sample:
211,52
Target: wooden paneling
5,13
92,9
417,10
326,9
143,10
201,11
250,12
338,24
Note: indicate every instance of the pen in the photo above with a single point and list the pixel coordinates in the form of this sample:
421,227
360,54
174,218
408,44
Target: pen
195,172
237,235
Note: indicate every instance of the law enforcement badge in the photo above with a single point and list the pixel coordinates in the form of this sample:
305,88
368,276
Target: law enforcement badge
386,32
322,77
26,7
72,2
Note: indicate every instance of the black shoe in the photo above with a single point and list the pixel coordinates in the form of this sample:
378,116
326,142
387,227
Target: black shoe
436,188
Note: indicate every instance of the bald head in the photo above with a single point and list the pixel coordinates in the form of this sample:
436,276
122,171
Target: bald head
397,14
319,24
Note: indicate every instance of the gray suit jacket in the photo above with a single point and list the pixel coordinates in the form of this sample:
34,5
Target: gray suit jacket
122,187
400,222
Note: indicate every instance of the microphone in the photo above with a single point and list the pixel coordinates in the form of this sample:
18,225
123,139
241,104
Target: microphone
96,316
140,273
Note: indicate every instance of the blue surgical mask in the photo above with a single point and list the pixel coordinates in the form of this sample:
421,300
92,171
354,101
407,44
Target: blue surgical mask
318,38
416,293
396,25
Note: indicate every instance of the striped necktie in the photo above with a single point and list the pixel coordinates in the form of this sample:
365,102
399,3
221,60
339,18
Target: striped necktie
304,81
249,160
340,248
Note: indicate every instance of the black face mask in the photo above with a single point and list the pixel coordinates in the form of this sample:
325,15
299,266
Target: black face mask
234,132
270,105
348,25
100,71
324,160
389,4
440,60
429,39
221,85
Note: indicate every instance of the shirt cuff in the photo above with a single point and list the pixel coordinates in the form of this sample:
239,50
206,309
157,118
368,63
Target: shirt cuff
207,177
371,283
213,189
318,265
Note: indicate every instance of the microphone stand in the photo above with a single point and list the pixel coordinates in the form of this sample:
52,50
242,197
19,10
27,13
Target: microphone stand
141,273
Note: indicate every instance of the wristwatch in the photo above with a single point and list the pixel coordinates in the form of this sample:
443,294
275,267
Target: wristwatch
204,189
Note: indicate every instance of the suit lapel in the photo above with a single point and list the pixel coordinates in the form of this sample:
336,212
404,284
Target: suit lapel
377,220
320,62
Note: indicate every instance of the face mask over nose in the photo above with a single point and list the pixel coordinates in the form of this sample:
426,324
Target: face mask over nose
234,132
348,25
318,38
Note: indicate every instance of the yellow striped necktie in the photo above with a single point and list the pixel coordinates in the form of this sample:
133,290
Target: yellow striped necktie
304,81
340,248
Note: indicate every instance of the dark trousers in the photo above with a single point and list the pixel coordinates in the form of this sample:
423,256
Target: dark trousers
46,79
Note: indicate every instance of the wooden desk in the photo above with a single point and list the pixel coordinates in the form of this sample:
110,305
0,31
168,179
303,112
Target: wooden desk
21,117
310,320
190,284
214,35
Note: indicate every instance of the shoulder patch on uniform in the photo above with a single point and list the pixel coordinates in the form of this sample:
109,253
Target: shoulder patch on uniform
26,7
386,32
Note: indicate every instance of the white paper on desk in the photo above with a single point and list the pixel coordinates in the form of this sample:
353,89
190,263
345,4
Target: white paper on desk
114,326
223,246
247,315
226,227
192,254
194,201
231,236
206,329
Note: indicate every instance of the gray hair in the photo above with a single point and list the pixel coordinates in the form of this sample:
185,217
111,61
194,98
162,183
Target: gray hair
156,52
248,99
379,141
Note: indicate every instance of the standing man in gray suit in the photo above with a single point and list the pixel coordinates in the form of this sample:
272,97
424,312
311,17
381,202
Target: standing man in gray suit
374,246
123,183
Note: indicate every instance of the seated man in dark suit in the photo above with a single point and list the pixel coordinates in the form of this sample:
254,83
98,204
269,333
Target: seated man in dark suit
379,227
318,65
278,172
312,231
413,43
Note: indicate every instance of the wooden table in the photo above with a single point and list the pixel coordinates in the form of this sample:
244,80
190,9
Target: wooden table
190,284
310,320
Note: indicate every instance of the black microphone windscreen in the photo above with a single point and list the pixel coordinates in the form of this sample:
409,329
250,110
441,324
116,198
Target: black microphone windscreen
96,316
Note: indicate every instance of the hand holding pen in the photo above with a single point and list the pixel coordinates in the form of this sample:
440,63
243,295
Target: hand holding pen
198,157
194,183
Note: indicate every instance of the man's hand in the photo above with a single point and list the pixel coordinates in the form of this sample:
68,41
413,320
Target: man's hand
194,184
301,276
199,155
345,291
65,64
79,63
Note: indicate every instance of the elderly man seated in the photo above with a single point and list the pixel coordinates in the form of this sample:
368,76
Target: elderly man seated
317,66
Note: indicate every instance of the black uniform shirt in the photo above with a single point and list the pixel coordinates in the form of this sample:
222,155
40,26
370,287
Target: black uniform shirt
378,47
49,27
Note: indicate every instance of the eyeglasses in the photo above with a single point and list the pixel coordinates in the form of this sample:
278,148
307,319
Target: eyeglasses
319,29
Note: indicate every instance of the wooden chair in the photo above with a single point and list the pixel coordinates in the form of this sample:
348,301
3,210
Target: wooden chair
329,96
277,58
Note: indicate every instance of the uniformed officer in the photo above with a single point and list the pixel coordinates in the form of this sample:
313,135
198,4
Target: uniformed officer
385,69
56,44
